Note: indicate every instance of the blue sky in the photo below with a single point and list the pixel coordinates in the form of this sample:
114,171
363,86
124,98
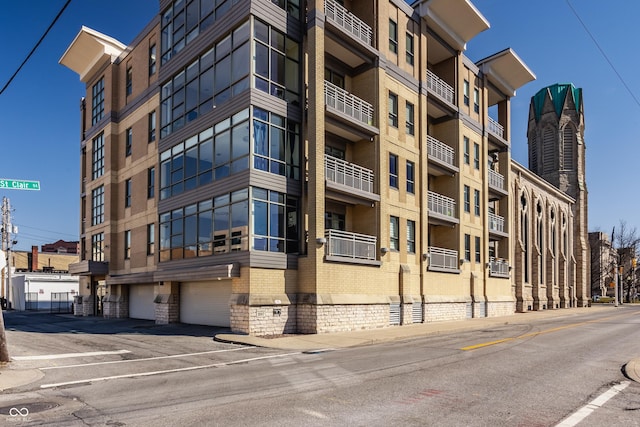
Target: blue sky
39,115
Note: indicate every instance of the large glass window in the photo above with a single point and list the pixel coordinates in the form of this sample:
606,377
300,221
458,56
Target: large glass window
276,144
97,205
97,163
275,221
214,153
185,19
207,81
97,247
97,101
276,63
221,225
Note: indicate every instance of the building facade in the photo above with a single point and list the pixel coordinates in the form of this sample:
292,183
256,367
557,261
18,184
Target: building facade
274,168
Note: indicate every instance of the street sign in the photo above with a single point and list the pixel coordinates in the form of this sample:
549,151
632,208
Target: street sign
19,184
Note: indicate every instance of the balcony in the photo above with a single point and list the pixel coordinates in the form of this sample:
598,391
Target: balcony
347,21
344,246
496,185
496,227
442,209
441,156
349,116
353,183
444,260
498,268
441,92
349,38
496,133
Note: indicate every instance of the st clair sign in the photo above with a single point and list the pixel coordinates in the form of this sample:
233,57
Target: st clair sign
19,184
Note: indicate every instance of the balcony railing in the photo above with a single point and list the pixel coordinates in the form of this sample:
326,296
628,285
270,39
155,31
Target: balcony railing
440,150
496,223
440,258
348,174
346,20
498,268
350,245
442,204
496,180
348,104
496,128
439,86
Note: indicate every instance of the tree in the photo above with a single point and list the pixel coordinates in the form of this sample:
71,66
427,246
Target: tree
627,242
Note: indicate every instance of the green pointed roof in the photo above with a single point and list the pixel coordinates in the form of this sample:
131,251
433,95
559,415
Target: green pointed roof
558,93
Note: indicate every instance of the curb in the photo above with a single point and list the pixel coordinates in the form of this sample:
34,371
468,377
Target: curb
632,370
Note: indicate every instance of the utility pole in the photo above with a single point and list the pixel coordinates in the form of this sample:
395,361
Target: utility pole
4,352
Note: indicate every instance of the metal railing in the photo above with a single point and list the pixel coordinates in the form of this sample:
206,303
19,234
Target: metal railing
496,128
440,150
347,103
346,20
345,173
441,204
496,180
443,258
496,222
498,267
439,86
350,245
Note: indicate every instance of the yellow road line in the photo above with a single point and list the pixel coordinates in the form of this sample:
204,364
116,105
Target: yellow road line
533,334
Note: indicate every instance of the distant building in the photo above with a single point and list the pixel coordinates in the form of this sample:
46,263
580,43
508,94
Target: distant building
603,259
61,247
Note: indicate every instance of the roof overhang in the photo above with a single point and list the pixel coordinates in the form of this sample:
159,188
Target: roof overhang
88,49
456,21
506,71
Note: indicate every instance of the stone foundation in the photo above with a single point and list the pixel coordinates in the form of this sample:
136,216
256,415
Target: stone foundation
167,308
115,307
442,311
88,302
320,319
500,308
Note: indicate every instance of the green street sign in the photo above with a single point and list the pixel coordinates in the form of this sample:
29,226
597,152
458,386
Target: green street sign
19,184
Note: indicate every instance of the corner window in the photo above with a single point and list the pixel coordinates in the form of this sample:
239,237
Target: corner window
97,166
476,100
129,82
152,59
97,101
466,92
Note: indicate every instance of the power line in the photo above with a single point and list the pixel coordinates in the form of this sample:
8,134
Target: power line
35,47
603,53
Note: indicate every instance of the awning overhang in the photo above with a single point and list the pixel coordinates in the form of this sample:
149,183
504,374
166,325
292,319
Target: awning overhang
89,49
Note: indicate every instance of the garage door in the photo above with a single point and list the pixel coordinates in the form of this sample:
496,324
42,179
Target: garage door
141,305
205,303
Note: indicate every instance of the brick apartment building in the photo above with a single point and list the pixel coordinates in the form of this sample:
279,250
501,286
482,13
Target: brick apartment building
273,169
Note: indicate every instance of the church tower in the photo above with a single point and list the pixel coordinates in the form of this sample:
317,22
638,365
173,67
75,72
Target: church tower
557,154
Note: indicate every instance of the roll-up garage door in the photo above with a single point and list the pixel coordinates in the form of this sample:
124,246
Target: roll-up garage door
141,305
206,303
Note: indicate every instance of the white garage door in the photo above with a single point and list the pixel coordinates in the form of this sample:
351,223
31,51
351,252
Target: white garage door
141,305
205,303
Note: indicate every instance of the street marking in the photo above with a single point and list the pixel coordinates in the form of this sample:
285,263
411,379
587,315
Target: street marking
143,359
534,334
69,355
596,403
168,371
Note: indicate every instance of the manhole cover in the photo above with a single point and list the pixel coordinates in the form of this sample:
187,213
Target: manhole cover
27,408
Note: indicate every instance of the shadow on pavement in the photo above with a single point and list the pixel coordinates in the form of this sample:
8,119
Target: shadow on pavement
42,322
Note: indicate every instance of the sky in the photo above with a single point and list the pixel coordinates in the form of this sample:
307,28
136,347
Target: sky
39,111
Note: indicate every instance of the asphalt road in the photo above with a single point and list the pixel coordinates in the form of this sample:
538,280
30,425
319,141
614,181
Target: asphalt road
136,374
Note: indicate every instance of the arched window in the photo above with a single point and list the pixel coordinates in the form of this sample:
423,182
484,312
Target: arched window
540,242
524,232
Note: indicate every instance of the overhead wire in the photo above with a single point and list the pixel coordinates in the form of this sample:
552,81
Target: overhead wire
624,83
35,47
